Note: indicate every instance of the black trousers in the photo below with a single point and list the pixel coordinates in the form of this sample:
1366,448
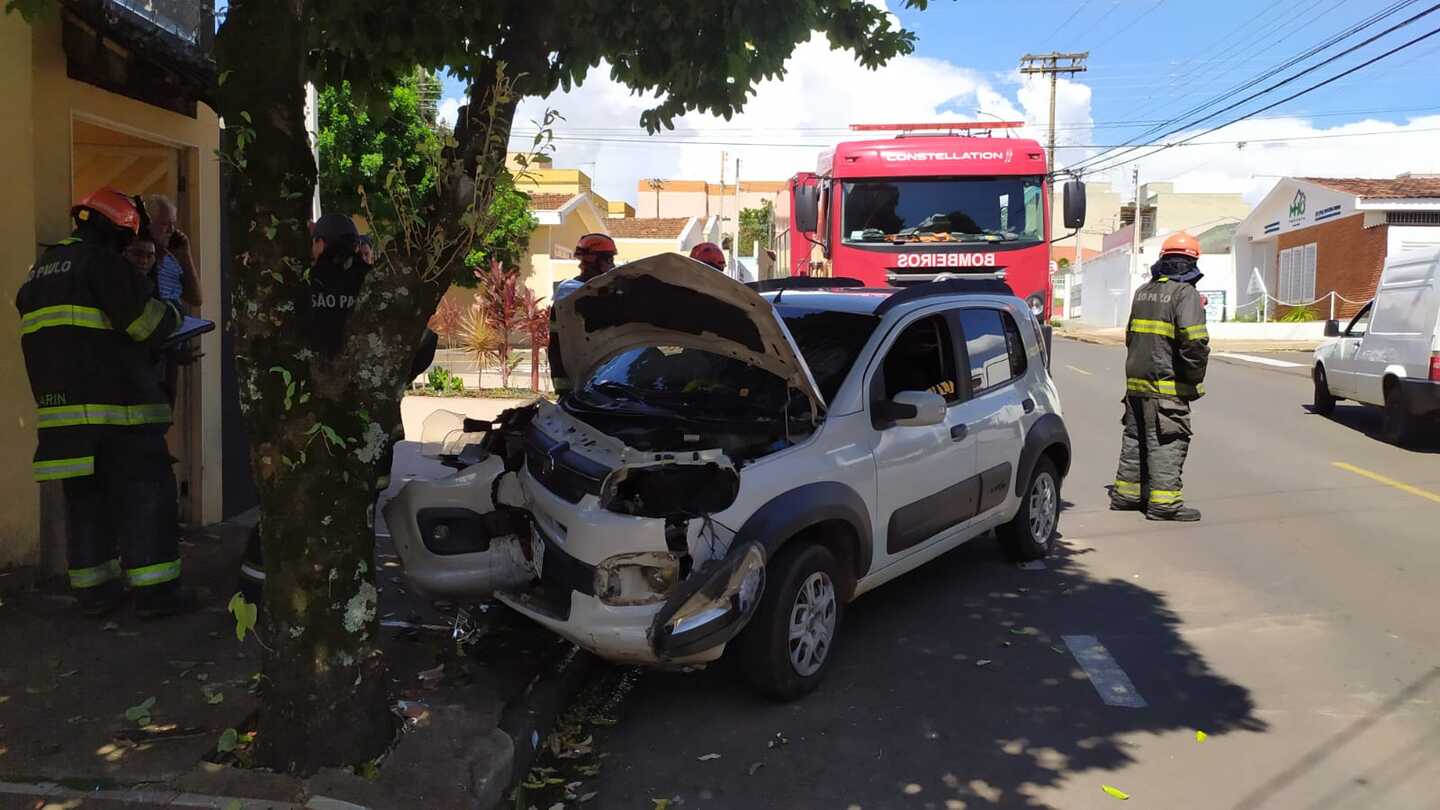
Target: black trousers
123,519
1153,448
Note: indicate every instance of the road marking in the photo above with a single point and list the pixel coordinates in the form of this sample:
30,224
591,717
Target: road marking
1264,361
1105,675
1078,370
1389,482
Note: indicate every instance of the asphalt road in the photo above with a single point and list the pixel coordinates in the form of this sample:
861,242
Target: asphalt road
1297,626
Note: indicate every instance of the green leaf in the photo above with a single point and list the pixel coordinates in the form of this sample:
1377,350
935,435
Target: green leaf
222,78
141,713
213,698
245,115
228,740
245,615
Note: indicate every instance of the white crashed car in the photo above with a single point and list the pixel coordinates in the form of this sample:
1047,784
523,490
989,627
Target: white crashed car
734,467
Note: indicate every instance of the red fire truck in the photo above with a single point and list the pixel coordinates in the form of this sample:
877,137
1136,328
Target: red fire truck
938,200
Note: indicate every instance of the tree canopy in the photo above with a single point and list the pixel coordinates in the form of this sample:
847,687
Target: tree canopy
755,227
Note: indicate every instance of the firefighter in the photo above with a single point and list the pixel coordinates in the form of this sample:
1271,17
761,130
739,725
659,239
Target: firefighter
596,254
709,253
1165,371
90,330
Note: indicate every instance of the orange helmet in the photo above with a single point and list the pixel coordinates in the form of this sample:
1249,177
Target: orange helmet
1181,242
592,243
709,253
118,209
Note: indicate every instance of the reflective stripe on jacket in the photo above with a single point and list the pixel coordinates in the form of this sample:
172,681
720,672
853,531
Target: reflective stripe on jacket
89,327
1169,346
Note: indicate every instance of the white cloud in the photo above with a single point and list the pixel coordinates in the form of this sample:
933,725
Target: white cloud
449,110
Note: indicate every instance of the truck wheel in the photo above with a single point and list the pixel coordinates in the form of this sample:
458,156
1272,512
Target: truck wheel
1030,535
1399,425
786,648
1324,401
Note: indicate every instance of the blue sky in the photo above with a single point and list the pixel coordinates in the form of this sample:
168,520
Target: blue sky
1149,61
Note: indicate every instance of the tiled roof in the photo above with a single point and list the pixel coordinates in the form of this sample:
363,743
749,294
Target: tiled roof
549,202
653,228
1377,188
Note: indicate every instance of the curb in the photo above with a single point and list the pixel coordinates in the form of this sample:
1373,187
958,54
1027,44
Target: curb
528,719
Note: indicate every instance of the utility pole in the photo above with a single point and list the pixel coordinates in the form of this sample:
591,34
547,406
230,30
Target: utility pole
735,243
656,184
1050,64
1135,267
722,198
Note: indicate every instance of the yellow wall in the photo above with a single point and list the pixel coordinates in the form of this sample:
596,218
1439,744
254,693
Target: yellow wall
20,519
634,249
36,167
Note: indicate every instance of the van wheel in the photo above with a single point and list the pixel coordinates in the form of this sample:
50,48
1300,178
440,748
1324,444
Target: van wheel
1030,535
786,649
1324,400
1399,425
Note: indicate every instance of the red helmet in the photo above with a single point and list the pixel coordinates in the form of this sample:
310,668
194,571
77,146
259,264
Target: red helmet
117,209
709,253
1183,243
593,243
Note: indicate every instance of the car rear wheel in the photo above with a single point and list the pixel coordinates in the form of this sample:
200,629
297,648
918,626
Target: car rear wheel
1399,425
787,647
1030,535
1324,400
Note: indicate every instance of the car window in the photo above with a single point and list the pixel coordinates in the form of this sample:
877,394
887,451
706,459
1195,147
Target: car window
829,342
1361,322
922,359
994,347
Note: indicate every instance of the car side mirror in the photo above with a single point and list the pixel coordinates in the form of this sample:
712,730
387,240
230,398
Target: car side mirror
807,208
1075,205
1332,328
912,409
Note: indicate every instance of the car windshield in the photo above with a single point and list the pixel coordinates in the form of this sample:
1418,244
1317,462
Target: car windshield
972,209
700,383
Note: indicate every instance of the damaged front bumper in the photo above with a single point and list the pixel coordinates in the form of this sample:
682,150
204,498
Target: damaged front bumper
455,541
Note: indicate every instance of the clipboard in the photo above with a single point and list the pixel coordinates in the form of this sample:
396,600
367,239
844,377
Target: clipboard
188,328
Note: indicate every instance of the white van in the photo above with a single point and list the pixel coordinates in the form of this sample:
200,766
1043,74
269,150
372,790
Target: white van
1389,353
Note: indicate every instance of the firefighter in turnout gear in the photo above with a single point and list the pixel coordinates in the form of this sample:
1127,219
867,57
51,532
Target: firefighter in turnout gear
1165,371
90,330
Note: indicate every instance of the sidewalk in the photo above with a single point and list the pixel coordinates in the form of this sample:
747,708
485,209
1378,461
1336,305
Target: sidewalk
67,681
1115,336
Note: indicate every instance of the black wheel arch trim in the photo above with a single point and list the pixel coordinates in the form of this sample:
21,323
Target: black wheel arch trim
794,511
1048,431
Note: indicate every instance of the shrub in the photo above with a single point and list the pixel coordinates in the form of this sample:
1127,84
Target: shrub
1299,315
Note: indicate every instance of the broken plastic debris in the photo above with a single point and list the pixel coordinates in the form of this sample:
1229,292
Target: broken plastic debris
913,789
755,766
432,676
708,757
1015,631
779,740
1116,792
983,662
1200,736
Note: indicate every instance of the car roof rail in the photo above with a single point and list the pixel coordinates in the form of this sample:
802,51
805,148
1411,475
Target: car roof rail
803,283
949,286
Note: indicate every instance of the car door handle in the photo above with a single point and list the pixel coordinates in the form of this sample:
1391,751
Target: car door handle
1028,405
959,432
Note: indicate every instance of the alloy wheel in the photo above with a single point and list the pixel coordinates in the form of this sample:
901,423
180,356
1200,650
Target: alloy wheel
812,623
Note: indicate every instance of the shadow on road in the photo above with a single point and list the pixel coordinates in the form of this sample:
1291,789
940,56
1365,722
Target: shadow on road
951,685
1369,420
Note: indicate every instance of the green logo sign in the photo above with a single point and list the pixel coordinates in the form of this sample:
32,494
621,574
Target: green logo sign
1297,205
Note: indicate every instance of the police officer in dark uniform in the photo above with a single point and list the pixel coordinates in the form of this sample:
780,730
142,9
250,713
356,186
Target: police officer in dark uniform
90,330
1169,349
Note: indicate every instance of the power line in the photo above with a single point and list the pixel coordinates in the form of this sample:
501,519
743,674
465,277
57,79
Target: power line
1062,25
1291,97
1275,86
1126,27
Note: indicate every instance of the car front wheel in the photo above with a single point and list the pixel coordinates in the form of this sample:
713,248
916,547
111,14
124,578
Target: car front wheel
1030,535
1324,400
786,649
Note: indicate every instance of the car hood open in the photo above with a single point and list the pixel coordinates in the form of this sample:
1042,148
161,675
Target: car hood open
673,300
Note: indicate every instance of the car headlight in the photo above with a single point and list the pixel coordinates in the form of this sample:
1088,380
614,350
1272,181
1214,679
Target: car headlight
637,579
735,594
1037,305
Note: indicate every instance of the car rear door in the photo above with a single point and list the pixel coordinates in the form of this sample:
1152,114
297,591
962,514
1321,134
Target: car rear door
995,355
926,482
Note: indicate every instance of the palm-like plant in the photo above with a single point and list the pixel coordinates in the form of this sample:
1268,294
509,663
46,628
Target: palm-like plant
501,306
536,326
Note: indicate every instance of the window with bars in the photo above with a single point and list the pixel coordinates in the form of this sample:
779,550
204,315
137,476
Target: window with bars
1297,274
1412,217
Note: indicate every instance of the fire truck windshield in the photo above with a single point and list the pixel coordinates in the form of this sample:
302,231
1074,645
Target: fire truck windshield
952,209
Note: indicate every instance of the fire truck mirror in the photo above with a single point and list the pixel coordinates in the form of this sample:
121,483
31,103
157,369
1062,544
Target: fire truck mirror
807,208
1075,205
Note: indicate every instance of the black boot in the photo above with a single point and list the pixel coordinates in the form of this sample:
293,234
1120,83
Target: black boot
1117,505
101,600
1184,514
169,599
